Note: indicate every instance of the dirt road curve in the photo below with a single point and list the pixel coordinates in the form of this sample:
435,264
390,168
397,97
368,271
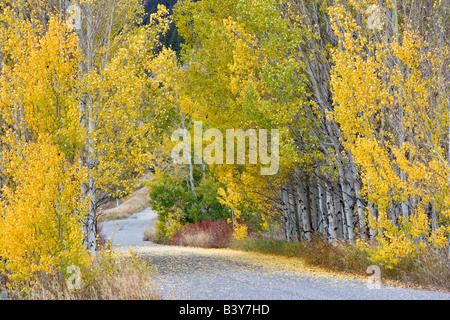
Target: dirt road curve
210,274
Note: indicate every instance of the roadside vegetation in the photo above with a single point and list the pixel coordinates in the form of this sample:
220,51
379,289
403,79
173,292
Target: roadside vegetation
110,276
428,270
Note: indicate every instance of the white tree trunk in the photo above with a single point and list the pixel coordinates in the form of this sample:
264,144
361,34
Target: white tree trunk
314,203
90,223
360,209
323,224
374,216
285,208
346,191
305,211
332,225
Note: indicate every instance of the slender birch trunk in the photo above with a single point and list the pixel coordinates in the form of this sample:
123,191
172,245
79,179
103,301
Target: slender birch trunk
305,211
360,209
188,154
346,191
314,204
331,213
285,208
374,216
323,225
294,214
91,219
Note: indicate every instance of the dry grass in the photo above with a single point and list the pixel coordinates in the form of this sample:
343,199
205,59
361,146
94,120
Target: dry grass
201,239
150,233
137,202
204,234
109,278
337,257
430,270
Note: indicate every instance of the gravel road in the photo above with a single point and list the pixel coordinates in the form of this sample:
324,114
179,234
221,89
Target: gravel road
130,231
212,274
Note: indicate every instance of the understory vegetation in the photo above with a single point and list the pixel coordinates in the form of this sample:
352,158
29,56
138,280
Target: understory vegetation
427,270
110,276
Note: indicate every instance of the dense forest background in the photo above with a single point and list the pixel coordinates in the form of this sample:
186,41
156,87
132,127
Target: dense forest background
171,39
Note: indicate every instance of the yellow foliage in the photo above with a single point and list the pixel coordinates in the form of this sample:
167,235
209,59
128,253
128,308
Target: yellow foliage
240,231
41,212
391,107
42,205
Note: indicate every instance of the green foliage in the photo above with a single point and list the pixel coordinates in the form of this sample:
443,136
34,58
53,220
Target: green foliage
177,204
206,206
167,198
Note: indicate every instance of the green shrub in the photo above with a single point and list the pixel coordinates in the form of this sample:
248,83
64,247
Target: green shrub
177,205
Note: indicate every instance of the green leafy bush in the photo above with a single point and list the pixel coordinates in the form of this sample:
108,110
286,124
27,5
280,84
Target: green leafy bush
177,205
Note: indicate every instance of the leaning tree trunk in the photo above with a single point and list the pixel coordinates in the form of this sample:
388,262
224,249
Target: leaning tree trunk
314,204
360,209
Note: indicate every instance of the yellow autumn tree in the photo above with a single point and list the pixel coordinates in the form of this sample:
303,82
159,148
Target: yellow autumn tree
242,67
42,210
391,104
77,110
118,98
42,205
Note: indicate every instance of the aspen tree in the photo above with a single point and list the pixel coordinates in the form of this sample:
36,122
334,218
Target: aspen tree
41,204
77,111
392,110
